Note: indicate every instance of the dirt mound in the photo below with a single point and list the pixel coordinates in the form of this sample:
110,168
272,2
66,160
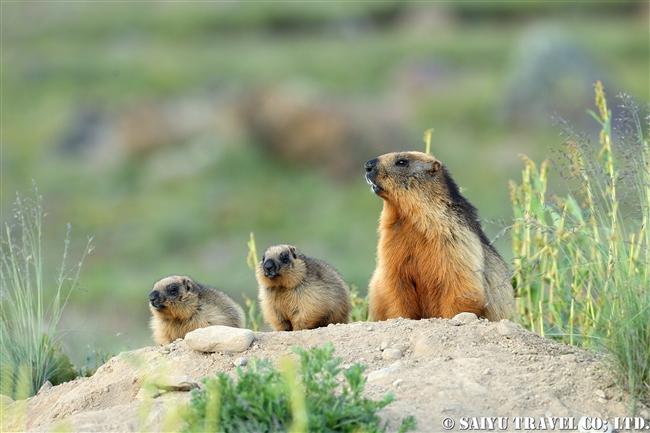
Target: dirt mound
437,368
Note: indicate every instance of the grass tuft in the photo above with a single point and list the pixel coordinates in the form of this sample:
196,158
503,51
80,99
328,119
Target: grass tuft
581,260
30,350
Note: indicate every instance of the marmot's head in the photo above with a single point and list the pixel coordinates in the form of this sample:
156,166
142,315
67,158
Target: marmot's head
406,178
418,186
281,266
401,171
174,297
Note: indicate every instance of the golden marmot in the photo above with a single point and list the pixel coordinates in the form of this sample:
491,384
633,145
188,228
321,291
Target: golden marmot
298,292
433,258
180,305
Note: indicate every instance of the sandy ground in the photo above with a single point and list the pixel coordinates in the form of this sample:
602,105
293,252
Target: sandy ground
468,373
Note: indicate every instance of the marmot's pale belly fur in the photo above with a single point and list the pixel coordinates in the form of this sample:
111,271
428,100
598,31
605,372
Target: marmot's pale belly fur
298,292
180,305
433,259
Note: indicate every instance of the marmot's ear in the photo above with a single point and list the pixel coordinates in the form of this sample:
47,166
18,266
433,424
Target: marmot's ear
293,252
435,166
186,284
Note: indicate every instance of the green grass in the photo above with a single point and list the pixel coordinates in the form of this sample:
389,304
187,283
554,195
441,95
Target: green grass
581,260
31,305
308,397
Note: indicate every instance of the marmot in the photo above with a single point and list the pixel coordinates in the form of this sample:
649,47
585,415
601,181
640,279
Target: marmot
433,258
298,292
180,305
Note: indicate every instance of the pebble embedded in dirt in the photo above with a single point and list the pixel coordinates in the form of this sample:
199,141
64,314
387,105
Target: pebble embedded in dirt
465,317
381,373
47,385
505,328
391,354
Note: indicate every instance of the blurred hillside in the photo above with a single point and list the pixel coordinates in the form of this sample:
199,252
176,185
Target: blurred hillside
170,131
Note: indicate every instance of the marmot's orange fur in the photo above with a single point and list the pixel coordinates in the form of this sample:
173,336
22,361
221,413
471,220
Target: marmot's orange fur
433,258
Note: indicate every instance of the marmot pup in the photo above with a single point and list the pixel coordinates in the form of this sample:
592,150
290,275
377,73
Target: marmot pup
297,292
180,305
433,258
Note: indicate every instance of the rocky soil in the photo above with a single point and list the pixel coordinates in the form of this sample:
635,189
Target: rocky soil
437,369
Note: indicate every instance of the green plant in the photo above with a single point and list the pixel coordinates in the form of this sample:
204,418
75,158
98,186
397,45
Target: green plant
360,311
581,261
95,359
30,352
254,318
264,399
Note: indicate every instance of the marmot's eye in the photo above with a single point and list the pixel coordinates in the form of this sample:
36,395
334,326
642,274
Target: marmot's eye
172,289
284,257
402,163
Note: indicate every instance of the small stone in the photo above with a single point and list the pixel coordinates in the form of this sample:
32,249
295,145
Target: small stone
465,317
398,382
175,383
568,358
600,393
383,345
402,347
504,329
5,400
240,362
164,350
454,322
47,385
216,338
391,354
369,328
487,372
381,373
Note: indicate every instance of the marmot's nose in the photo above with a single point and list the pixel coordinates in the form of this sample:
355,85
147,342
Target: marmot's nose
156,299
371,164
269,265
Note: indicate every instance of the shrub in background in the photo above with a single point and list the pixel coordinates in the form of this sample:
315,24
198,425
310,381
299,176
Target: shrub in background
581,260
30,351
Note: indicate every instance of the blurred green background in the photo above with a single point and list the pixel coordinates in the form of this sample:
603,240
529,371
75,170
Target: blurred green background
170,131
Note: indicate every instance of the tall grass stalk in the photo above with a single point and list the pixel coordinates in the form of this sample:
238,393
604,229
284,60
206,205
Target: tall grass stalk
30,351
581,260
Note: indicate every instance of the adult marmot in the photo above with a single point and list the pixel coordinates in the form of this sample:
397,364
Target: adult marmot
180,305
297,292
433,258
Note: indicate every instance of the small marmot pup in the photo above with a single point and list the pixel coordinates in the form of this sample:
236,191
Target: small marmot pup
180,305
433,258
297,292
